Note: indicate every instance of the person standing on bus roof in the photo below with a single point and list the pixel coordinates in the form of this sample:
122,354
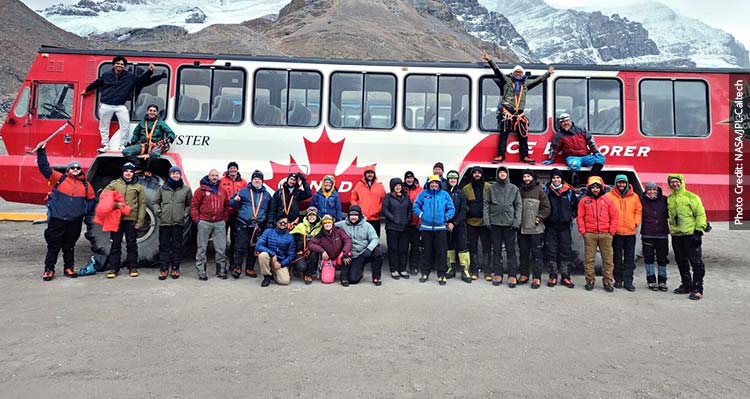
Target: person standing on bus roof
231,183
286,199
172,205
252,203
397,211
412,189
116,87
151,137
630,213
475,192
655,235
535,210
326,199
597,223
510,112
577,146
135,197
559,243
70,200
368,193
458,252
209,210
434,207
687,222
501,213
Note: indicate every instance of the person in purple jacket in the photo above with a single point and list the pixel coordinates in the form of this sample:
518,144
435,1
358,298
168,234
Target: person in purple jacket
655,235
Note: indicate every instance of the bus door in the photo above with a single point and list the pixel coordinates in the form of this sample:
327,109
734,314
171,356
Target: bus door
54,108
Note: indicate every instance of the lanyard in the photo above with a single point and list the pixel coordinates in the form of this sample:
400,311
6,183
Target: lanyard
287,208
256,210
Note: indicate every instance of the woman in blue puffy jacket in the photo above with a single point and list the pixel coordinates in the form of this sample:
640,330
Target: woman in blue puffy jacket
326,199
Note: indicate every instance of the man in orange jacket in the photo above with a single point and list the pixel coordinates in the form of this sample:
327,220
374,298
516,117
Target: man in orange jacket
597,223
630,212
368,193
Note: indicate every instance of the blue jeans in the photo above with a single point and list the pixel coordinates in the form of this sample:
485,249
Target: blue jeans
575,163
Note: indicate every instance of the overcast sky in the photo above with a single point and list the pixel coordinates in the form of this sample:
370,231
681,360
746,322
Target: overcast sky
729,15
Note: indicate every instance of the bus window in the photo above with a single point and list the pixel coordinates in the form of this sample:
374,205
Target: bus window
490,101
156,90
447,112
287,98
55,101
674,108
22,106
593,104
348,92
210,95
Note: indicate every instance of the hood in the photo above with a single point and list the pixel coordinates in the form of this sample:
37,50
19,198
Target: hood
627,184
497,174
471,173
370,169
595,179
322,185
396,181
207,183
678,176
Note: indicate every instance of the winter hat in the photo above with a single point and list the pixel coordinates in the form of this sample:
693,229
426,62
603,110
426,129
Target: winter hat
233,164
355,209
128,166
312,210
329,178
74,164
257,174
326,219
555,172
476,169
651,186
452,174
563,116
623,178
175,169
433,178
438,165
394,182
530,173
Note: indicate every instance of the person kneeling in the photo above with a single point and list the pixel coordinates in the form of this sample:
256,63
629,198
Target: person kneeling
276,248
306,261
365,249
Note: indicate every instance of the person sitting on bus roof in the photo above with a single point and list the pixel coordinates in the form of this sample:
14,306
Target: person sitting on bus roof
151,137
326,199
368,193
510,112
116,87
577,146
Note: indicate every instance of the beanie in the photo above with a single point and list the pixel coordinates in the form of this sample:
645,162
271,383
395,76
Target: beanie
175,169
312,211
327,218
128,166
257,174
74,164
555,172
408,174
438,165
233,164
452,174
355,209
651,186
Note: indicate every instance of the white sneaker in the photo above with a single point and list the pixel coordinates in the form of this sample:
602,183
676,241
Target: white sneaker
104,148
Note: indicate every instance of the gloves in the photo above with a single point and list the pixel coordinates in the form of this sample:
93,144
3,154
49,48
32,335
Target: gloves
547,162
697,238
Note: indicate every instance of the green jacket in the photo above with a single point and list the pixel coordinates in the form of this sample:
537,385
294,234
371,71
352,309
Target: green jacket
686,212
135,198
502,205
161,132
509,98
173,206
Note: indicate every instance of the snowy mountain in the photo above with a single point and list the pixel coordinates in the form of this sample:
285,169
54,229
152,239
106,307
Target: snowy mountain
682,36
645,33
89,17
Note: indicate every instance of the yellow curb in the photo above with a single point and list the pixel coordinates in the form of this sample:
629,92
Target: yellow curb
22,216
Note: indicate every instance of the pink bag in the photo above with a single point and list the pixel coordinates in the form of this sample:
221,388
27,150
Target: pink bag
327,272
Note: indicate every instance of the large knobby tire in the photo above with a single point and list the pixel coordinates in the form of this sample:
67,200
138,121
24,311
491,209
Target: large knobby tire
148,239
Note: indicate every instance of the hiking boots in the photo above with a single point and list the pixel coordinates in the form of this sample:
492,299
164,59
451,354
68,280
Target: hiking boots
267,281
69,272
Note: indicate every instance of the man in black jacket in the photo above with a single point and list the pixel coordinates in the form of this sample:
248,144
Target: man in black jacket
116,87
286,199
457,231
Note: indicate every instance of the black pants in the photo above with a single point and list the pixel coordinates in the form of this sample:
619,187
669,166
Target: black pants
623,250
523,141
477,234
356,268
375,225
559,248
170,246
307,265
398,250
503,235
243,248
655,249
435,252
688,253
231,229
457,238
530,249
61,235
127,229
415,250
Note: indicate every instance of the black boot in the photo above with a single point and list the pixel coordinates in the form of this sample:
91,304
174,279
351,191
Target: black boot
266,281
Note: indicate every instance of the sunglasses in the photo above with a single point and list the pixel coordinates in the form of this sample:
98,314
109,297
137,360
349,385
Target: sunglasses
75,168
282,223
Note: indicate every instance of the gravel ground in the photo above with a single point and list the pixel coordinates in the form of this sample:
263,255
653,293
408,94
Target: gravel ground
125,338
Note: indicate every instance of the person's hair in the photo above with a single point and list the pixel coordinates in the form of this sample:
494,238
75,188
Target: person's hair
152,106
119,58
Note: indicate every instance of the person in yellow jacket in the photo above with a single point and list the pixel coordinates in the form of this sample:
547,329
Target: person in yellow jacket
629,208
687,222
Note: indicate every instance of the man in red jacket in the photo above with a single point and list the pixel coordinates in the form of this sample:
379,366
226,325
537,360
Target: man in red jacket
597,223
368,193
232,182
209,209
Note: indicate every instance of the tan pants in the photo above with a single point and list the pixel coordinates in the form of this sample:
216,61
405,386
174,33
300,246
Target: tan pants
281,275
590,242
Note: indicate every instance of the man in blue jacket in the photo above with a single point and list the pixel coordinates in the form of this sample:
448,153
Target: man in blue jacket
116,88
252,204
276,248
435,208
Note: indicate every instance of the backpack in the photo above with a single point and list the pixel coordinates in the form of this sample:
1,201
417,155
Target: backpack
327,272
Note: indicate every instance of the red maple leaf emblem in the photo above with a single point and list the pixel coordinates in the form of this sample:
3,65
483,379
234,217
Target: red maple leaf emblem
324,156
